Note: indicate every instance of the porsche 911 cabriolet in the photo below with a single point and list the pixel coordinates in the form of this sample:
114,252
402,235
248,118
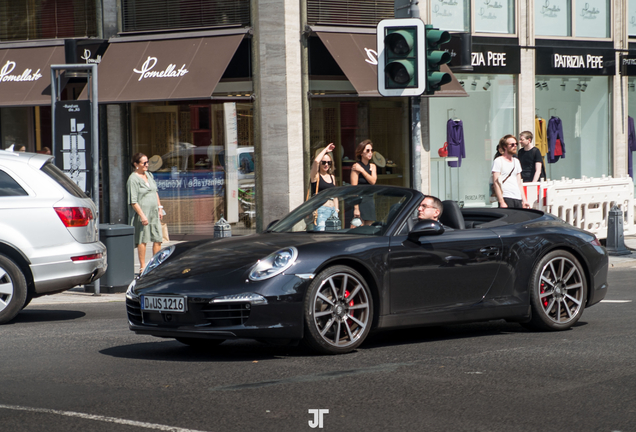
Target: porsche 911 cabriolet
331,288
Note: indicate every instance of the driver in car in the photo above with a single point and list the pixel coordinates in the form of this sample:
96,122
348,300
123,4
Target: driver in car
430,208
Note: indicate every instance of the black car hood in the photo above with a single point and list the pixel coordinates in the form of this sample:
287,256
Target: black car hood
222,258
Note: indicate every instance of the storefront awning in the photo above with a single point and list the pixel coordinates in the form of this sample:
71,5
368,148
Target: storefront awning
25,75
356,55
164,69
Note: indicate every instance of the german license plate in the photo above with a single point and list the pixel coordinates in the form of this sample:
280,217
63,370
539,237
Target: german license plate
163,303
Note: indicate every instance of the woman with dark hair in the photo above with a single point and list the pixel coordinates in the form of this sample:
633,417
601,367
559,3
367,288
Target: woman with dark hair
322,178
145,209
363,172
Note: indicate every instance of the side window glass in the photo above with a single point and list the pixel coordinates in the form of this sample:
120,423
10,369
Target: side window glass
9,187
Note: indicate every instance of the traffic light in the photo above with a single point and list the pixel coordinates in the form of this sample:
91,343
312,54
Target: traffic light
435,58
401,62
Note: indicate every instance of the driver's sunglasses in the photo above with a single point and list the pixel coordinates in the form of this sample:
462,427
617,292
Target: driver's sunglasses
326,162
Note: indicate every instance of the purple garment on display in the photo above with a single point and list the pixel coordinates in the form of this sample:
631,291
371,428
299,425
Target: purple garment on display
555,131
455,140
631,144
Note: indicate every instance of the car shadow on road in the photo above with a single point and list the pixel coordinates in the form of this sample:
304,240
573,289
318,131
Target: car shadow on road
229,351
448,332
45,315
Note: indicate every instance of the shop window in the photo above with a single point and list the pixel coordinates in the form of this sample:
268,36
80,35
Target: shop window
631,19
495,16
486,115
583,105
187,149
44,19
349,12
16,128
451,15
578,18
346,123
146,15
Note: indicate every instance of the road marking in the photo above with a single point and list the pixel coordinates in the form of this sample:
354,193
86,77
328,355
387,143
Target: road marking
616,301
98,418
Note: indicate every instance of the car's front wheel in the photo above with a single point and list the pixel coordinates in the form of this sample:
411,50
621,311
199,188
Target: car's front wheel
13,289
558,291
338,311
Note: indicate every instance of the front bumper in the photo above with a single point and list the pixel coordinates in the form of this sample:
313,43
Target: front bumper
280,318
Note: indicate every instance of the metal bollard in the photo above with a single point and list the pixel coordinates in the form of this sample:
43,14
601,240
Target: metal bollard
222,229
615,242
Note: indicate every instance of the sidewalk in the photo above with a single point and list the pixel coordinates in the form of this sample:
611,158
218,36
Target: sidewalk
77,294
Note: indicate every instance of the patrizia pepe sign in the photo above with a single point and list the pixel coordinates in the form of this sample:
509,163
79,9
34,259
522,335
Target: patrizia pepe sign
7,75
171,71
573,61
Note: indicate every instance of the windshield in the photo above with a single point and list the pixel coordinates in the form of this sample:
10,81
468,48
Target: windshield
383,203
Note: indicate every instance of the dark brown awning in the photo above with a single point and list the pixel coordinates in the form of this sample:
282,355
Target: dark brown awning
165,69
25,75
356,55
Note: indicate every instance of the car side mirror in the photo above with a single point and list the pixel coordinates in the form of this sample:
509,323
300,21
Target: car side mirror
427,227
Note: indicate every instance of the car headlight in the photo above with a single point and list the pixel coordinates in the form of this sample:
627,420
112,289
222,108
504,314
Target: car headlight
157,259
130,292
274,264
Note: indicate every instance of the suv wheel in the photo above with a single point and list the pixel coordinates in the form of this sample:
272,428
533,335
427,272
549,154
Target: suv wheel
12,289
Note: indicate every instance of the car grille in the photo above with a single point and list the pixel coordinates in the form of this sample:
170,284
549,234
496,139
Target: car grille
200,315
133,308
226,314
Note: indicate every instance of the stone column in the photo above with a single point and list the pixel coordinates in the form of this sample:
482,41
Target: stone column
278,107
620,94
526,101
118,162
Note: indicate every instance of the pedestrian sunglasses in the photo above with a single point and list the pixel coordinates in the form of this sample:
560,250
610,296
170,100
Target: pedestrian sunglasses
326,163
143,163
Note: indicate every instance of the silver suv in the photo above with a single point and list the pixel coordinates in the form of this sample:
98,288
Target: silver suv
48,232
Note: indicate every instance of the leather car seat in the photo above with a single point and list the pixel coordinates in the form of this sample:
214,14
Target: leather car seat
452,215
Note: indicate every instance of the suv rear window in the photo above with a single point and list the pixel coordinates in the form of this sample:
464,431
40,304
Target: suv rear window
62,179
9,187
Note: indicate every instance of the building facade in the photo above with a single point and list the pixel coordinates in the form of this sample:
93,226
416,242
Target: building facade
231,99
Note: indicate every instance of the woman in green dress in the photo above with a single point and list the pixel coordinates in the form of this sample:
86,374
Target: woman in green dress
144,208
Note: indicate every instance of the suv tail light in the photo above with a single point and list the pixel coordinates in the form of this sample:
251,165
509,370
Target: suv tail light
74,216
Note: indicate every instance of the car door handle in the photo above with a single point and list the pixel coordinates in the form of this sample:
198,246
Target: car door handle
490,251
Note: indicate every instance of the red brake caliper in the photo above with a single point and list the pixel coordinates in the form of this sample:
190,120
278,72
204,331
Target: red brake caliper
347,293
545,299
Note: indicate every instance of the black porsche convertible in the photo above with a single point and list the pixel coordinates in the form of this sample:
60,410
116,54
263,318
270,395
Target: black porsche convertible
331,288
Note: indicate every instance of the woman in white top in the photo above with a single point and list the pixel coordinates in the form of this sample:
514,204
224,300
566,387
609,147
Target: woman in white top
506,175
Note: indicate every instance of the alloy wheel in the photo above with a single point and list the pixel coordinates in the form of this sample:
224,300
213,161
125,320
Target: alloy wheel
341,310
561,290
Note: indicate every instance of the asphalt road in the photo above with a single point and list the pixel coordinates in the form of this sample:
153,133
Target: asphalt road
77,367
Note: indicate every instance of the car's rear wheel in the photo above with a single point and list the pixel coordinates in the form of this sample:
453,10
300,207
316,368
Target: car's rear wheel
558,291
12,289
338,311
200,343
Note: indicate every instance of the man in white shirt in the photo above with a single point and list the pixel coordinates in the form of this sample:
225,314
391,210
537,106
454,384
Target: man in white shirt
506,175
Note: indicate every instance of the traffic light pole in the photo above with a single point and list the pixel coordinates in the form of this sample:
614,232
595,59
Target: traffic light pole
416,143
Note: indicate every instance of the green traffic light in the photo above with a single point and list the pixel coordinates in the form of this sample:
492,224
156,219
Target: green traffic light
435,37
436,58
401,71
438,79
400,42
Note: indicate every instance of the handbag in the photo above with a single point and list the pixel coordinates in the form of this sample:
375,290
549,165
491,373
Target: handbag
313,218
443,151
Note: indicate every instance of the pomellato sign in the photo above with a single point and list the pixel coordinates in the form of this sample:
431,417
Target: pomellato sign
7,75
171,71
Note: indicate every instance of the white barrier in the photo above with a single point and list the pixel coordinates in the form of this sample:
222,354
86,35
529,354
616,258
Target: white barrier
585,203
